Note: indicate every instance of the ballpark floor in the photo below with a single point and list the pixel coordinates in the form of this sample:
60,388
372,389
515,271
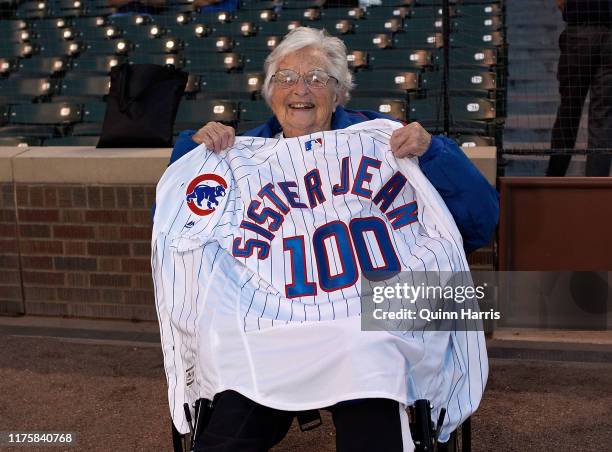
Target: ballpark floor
112,394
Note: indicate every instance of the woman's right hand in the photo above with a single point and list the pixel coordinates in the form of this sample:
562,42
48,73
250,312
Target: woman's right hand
215,136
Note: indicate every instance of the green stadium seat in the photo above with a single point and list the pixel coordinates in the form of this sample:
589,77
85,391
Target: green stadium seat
19,36
386,12
91,121
472,39
257,43
8,65
45,113
4,114
278,28
387,25
20,89
358,59
483,24
467,115
254,111
95,64
302,4
250,5
418,39
234,29
70,8
193,114
396,3
177,61
474,57
335,14
82,88
396,108
401,59
368,41
87,23
244,126
9,26
470,141
110,47
197,46
462,82
20,141
19,50
218,62
44,66
41,120
482,10
386,82
254,61
309,16
34,10
245,86
55,48
72,141
430,12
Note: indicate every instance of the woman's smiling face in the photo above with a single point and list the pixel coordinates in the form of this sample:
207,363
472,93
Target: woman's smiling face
300,109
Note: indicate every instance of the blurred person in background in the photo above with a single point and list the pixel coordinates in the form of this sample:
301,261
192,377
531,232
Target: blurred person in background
585,64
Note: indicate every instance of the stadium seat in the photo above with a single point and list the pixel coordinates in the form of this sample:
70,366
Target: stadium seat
335,14
386,12
302,4
91,120
254,111
486,9
19,50
24,89
470,39
109,47
401,59
177,61
34,10
9,26
278,28
420,39
8,65
250,5
20,141
470,141
193,114
77,87
257,43
368,41
462,82
309,16
219,62
467,115
430,12
254,61
386,83
234,86
358,59
234,29
396,108
55,48
95,64
209,44
41,120
42,66
484,24
72,141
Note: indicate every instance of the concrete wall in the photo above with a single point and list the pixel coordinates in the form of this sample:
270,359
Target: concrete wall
75,230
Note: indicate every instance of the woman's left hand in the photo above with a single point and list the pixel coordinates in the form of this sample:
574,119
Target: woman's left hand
411,140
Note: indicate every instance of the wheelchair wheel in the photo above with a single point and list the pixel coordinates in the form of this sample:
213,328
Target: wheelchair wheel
460,440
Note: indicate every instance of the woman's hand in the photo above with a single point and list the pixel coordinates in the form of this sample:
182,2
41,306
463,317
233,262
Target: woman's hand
215,136
411,140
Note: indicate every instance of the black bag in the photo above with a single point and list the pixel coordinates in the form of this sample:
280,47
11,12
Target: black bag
141,106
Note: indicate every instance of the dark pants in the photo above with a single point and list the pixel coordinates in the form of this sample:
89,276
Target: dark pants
585,64
238,424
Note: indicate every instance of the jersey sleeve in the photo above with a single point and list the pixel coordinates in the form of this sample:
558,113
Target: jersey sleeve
192,199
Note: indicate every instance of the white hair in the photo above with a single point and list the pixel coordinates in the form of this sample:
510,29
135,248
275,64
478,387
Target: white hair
332,48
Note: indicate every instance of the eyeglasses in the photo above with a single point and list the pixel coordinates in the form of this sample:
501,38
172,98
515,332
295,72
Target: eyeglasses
316,78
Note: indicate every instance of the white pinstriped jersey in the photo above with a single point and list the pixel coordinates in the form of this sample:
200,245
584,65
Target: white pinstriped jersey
257,258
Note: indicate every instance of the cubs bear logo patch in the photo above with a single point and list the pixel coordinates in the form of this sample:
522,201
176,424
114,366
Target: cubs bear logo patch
203,193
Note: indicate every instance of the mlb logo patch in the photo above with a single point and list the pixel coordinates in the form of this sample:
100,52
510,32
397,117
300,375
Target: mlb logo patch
311,145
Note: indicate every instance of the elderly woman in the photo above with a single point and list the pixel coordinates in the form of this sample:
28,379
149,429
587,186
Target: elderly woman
306,85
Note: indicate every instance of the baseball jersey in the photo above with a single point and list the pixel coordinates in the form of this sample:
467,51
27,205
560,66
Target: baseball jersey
258,254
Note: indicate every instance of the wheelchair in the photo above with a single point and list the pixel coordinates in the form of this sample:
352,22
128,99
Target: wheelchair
424,432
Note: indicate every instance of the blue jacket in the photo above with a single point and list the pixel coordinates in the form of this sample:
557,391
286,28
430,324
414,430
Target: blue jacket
472,201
